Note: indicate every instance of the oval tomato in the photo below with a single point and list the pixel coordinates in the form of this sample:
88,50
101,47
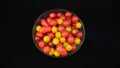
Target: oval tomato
70,39
44,22
53,22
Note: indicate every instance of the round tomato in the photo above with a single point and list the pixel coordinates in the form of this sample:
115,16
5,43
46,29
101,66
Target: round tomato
59,14
61,28
51,35
46,49
49,20
74,48
68,14
64,34
79,34
75,19
41,44
67,22
62,17
52,15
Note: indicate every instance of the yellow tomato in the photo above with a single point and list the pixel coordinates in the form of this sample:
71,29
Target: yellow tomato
68,48
60,21
52,50
78,25
38,28
68,29
65,44
54,29
46,38
62,39
56,53
58,34
55,41
77,41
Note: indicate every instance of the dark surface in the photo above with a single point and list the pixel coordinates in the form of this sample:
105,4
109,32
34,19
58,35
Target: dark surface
101,46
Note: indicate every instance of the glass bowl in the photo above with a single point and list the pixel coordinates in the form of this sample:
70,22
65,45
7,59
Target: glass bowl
46,15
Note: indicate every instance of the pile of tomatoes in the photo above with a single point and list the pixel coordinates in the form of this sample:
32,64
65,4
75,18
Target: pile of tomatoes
58,34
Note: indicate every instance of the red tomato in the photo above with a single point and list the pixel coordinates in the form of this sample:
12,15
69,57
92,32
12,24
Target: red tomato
79,34
59,46
73,26
44,22
43,30
61,28
39,34
53,23
37,38
51,35
62,17
46,49
61,50
70,39
49,20
59,14
41,44
52,15
74,48
75,19
68,14
67,22
70,35
64,33
48,29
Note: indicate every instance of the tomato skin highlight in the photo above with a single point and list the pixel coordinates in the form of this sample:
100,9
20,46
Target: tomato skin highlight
44,22
52,15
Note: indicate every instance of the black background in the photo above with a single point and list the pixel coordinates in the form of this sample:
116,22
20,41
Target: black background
101,46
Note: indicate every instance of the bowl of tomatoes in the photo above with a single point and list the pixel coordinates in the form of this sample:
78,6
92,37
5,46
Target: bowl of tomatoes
58,33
